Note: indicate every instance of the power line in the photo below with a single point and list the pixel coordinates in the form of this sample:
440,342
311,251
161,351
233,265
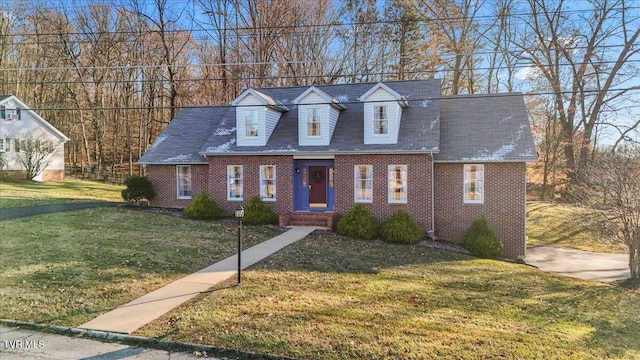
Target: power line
442,97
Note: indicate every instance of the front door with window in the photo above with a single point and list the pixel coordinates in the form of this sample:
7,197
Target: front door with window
318,186
313,185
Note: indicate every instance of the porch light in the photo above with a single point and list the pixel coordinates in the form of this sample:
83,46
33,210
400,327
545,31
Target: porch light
239,213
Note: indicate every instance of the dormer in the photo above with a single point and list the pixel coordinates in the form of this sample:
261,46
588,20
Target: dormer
317,117
382,114
257,115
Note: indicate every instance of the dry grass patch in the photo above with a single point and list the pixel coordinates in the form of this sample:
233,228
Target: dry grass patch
68,268
27,193
570,227
329,297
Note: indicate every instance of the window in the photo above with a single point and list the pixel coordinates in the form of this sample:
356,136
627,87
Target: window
313,122
3,145
251,123
397,192
268,182
380,120
183,179
474,184
10,114
234,182
17,143
363,183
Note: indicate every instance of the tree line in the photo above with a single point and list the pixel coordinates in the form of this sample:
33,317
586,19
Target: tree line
112,75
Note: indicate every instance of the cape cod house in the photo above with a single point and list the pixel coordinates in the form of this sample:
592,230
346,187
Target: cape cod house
315,151
17,124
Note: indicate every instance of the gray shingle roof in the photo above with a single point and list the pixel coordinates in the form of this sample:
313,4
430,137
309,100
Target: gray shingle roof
458,128
212,129
485,128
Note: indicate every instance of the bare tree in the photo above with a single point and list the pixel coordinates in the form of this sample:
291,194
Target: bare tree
611,184
584,60
35,155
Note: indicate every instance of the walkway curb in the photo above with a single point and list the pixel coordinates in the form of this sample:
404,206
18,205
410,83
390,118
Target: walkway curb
129,317
151,343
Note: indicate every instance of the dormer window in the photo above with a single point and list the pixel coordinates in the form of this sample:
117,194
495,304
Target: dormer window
314,122
318,114
251,123
382,114
380,120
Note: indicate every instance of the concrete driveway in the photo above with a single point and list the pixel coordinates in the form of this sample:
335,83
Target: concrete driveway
579,264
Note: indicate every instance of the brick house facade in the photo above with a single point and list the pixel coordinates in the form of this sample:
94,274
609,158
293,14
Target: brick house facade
319,150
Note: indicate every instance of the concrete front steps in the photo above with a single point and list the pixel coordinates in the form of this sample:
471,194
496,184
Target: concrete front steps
309,218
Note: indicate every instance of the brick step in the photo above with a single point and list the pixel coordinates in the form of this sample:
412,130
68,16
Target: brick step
324,219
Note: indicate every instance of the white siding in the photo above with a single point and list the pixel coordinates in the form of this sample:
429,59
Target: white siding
325,126
381,97
271,119
28,127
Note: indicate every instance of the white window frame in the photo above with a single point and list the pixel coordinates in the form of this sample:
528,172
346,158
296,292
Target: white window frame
473,186
235,185
251,116
394,184
363,194
183,181
318,121
379,118
264,183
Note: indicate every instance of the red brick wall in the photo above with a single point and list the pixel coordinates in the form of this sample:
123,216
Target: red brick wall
53,175
163,178
251,180
418,185
504,204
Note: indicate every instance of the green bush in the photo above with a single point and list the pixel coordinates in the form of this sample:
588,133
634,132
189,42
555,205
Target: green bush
138,188
400,228
256,212
202,207
358,222
480,240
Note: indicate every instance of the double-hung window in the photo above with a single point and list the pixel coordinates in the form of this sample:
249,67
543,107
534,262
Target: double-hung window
380,120
251,123
183,181
4,144
313,122
363,183
397,179
234,182
473,184
268,182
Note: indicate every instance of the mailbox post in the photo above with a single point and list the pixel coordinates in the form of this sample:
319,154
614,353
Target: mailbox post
239,213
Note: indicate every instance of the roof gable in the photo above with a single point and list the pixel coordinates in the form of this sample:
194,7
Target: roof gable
325,97
262,99
381,86
5,99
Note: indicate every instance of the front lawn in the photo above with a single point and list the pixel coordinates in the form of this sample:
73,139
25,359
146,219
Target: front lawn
329,297
67,268
14,193
569,226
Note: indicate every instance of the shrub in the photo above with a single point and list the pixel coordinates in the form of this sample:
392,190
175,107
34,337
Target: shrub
400,228
358,222
138,188
480,240
202,207
256,212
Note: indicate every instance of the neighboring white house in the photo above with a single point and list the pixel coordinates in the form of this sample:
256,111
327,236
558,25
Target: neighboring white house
19,123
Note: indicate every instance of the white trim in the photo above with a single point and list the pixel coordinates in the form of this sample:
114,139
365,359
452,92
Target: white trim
479,183
23,108
178,187
274,179
404,177
231,179
356,178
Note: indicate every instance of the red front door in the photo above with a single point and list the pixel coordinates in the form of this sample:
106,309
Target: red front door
317,186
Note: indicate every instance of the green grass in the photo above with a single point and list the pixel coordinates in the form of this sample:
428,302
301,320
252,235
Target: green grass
67,268
329,297
570,227
26,193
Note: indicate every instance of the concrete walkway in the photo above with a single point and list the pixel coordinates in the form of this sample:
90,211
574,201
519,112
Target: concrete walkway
585,265
130,317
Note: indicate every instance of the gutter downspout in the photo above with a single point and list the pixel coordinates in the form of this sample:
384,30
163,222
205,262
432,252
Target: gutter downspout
432,232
